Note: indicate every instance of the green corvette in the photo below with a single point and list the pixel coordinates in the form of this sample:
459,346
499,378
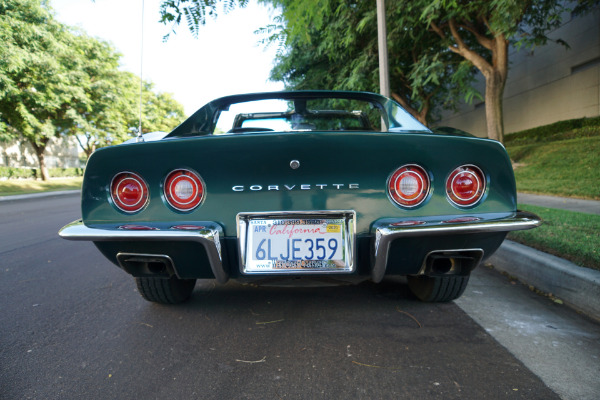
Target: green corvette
302,186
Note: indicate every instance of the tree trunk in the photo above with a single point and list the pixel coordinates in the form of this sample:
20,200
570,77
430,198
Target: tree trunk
39,152
494,89
495,73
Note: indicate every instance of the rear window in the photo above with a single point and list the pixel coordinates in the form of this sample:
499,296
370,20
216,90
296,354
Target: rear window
299,115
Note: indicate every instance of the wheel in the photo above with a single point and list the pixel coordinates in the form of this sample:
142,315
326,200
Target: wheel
165,291
438,288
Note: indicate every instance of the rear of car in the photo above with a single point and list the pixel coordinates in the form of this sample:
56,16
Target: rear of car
323,184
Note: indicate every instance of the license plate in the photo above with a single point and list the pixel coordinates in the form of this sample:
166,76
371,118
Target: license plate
298,245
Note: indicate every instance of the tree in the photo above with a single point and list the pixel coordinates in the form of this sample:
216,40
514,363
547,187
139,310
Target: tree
114,113
339,51
37,81
101,116
481,32
56,81
478,31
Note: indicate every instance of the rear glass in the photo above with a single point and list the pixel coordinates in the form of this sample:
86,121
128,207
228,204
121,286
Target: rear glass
300,115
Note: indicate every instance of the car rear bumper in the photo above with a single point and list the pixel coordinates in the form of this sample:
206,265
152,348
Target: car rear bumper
384,232
207,235
390,229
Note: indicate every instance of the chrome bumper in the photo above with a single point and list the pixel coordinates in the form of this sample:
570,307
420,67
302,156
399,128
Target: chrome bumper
207,237
389,229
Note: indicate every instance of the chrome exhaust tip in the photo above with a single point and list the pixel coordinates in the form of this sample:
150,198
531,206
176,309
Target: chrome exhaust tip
451,262
146,265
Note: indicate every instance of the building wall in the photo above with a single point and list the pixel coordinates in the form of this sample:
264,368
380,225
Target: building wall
547,84
60,153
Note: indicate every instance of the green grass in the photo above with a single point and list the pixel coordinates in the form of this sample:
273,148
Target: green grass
563,168
25,186
571,235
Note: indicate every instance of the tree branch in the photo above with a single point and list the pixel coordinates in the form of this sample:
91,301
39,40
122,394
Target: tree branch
480,37
461,48
437,30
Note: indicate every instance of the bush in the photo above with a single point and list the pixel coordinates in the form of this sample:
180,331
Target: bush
561,130
15,173
65,172
32,173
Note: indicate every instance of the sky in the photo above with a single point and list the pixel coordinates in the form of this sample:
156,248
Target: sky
225,59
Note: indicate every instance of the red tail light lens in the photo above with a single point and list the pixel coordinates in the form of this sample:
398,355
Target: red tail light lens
409,185
184,190
129,192
465,185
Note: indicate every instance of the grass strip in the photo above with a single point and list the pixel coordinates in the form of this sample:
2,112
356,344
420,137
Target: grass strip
567,234
564,168
25,186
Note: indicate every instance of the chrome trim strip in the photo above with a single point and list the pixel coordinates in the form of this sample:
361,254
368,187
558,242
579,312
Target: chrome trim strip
209,238
385,233
349,215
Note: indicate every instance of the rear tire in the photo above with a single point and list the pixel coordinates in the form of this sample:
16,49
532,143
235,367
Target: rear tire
165,291
438,288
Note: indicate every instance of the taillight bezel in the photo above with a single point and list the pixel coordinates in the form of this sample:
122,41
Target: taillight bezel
474,200
170,197
423,177
118,202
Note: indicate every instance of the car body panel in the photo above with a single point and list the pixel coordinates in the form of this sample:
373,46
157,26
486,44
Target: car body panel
362,159
305,174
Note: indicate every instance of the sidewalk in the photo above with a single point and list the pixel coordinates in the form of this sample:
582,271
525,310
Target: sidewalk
38,195
563,203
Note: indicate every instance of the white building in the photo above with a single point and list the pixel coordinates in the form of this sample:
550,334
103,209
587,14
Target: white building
60,153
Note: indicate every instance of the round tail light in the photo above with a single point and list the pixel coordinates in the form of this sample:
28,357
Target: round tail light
184,190
129,192
409,185
465,185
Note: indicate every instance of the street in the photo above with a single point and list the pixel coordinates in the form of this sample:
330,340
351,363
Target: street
72,326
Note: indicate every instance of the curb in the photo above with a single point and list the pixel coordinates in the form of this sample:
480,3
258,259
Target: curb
576,286
38,195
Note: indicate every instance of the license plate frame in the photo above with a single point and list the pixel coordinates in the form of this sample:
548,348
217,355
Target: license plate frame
342,262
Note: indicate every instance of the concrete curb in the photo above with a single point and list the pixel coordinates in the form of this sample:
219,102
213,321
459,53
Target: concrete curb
577,287
38,195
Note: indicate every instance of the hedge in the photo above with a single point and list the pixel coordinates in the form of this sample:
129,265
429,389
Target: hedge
32,173
561,130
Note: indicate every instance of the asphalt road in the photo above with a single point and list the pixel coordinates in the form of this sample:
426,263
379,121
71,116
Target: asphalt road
72,326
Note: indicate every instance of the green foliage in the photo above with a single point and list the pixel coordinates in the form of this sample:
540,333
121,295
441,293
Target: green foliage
114,118
561,130
336,48
194,12
434,46
37,81
65,172
57,81
14,173
571,235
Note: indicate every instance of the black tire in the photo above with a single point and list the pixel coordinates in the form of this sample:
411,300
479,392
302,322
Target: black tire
438,288
165,291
